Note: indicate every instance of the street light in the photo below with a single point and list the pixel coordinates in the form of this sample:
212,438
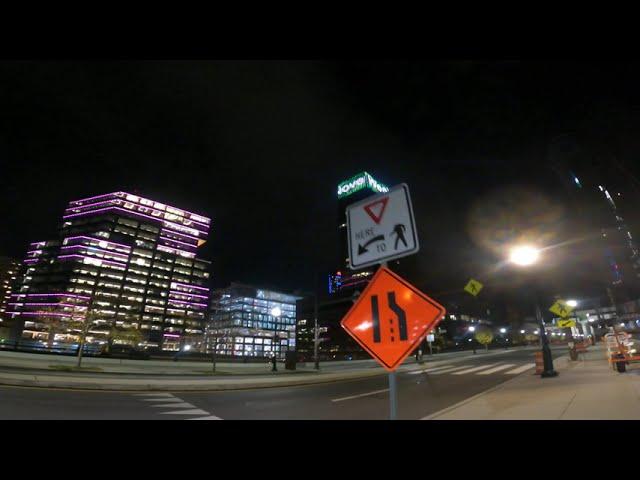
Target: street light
276,312
524,256
503,330
572,303
472,329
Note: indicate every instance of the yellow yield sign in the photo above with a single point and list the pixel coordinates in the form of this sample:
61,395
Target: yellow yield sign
561,309
566,323
473,287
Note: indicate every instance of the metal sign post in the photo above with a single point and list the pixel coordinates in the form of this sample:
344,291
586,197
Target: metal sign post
391,318
393,386
393,396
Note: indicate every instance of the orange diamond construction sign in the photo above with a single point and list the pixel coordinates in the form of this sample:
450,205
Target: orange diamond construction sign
391,318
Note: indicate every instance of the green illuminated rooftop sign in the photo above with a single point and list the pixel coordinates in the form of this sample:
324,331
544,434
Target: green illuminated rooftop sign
360,181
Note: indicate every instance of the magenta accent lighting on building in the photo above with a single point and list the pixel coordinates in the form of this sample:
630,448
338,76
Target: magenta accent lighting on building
121,258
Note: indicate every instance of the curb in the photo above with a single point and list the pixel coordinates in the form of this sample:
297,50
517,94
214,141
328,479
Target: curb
36,381
564,359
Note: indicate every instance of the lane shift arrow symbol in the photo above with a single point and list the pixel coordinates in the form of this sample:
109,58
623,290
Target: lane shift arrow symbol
363,248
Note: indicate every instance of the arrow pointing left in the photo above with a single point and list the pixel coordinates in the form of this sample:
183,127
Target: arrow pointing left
363,248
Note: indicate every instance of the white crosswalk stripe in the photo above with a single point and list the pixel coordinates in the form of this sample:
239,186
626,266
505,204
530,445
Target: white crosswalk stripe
521,369
195,411
162,399
416,372
475,369
152,395
176,405
496,369
487,369
448,370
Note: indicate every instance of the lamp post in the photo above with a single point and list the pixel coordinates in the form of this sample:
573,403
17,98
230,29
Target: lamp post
525,256
473,340
505,337
276,312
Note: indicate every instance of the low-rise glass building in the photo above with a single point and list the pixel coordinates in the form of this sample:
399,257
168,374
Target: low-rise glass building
247,321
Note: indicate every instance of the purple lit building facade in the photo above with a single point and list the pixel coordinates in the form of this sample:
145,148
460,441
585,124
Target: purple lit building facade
121,262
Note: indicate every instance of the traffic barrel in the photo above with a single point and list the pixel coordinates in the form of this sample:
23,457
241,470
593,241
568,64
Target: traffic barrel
539,363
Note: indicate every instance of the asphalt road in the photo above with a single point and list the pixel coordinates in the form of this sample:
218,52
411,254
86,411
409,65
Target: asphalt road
419,394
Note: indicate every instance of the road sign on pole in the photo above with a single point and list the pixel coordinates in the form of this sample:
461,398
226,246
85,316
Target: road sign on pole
473,287
391,318
561,309
565,323
381,228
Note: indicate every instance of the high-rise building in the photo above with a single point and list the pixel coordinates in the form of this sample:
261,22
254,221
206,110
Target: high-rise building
351,191
123,263
601,200
8,274
342,284
247,321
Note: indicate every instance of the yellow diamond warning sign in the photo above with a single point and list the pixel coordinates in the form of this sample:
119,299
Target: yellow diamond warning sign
561,309
473,287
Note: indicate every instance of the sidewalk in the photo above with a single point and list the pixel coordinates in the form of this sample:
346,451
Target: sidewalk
587,389
23,369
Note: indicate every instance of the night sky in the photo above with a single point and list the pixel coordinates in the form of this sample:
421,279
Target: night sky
260,146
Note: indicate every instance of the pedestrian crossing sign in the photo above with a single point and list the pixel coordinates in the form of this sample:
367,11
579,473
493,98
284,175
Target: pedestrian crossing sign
473,287
561,309
566,323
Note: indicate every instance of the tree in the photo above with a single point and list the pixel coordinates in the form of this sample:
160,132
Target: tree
484,336
84,327
53,325
216,341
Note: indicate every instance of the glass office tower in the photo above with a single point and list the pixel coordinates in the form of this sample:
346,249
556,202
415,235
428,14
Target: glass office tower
124,263
251,322
8,274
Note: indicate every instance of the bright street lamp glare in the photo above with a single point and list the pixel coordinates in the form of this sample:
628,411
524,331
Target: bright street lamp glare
503,330
276,312
521,331
472,329
524,255
572,303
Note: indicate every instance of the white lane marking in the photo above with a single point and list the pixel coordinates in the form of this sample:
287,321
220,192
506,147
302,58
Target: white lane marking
497,369
211,417
153,395
358,396
450,369
475,369
416,372
195,411
162,399
521,369
175,405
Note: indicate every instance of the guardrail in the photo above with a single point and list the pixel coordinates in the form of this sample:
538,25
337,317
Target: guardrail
30,346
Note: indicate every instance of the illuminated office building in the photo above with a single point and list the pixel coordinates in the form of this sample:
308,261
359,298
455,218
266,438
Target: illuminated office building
251,322
351,191
122,262
342,284
8,273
